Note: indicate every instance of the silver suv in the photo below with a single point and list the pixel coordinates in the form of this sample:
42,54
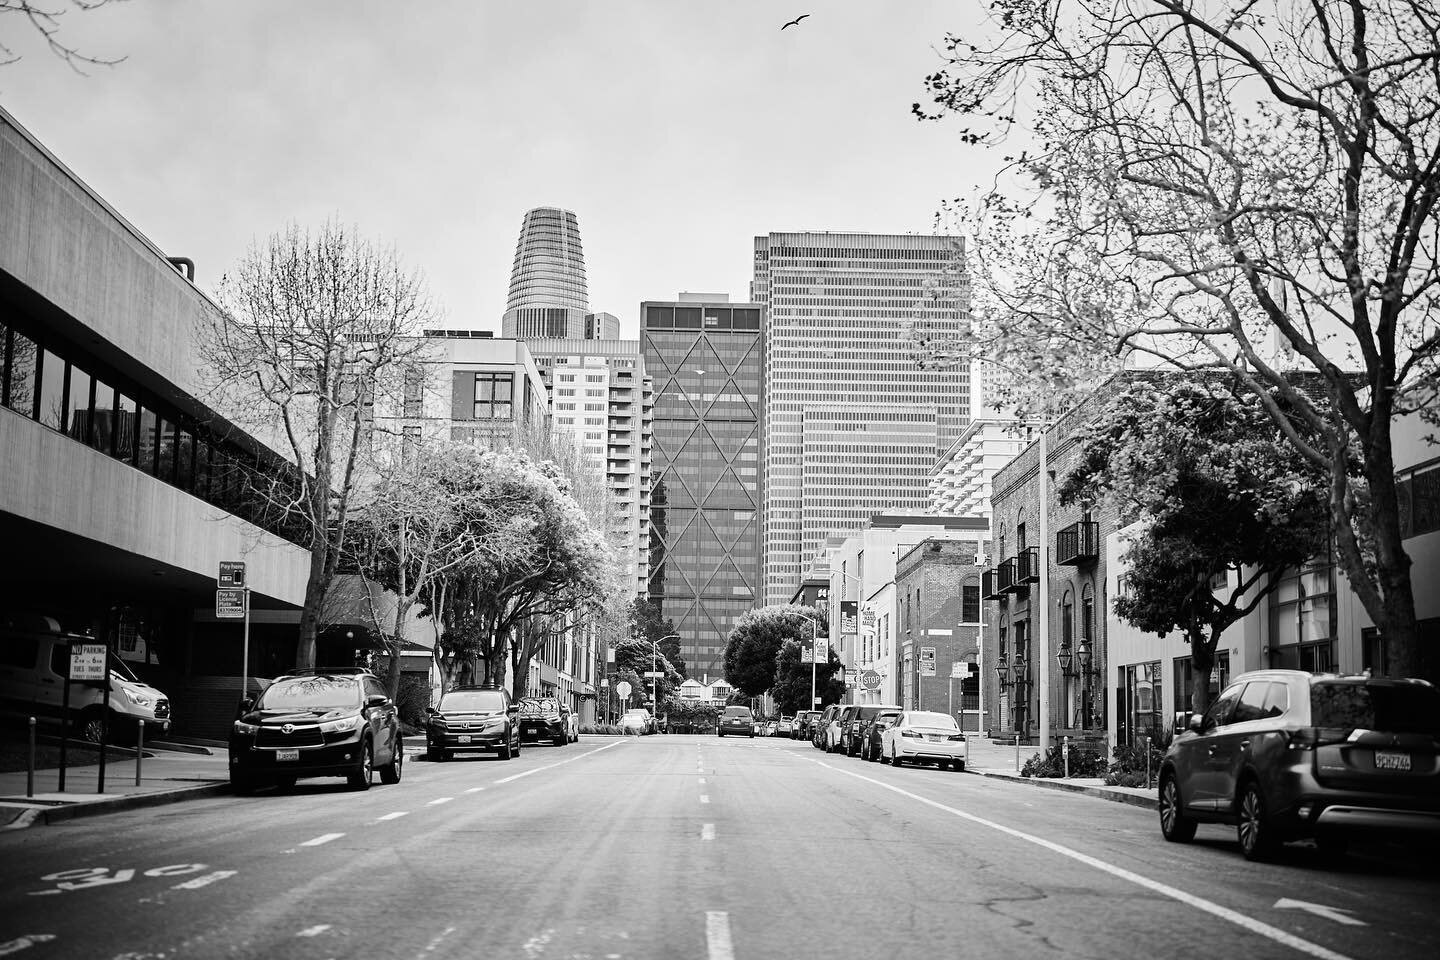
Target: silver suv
1285,755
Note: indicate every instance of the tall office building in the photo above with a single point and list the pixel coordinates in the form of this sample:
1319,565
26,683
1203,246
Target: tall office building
705,356
548,296
852,425
600,397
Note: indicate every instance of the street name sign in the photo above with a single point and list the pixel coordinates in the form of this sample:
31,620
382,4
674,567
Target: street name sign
87,661
657,674
229,603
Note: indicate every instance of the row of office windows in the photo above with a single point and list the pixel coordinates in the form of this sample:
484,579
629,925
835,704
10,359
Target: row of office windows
47,380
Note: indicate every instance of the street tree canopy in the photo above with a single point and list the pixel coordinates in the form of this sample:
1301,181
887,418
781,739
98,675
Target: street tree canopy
755,642
1193,183
793,678
1215,491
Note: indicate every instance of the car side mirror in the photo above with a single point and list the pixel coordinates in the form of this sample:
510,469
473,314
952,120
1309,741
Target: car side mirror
1196,723
430,711
514,709
245,706
376,700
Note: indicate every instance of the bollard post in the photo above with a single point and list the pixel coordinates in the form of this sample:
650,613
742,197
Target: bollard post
1017,753
1065,750
30,764
139,749
1147,763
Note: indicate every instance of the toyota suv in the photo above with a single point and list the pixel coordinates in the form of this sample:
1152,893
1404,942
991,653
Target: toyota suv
317,723
1284,755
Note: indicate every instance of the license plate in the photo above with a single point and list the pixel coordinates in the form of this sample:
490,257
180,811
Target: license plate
933,737
463,739
287,754
1391,760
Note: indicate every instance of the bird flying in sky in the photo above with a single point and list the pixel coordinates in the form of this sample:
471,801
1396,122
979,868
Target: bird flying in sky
796,20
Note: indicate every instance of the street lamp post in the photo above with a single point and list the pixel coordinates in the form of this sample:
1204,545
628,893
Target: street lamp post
655,670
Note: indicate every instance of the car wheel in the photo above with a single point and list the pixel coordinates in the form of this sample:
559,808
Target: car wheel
896,761
957,765
504,753
434,754
390,773
365,772
242,784
285,783
1253,827
1174,825
92,725
560,741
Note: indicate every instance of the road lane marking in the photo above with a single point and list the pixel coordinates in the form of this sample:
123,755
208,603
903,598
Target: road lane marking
1155,886
707,832
717,935
21,943
474,789
394,816
439,800
560,763
702,779
313,931
323,838
210,878
704,798
1320,910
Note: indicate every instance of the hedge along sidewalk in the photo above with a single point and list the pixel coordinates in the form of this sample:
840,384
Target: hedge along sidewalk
990,759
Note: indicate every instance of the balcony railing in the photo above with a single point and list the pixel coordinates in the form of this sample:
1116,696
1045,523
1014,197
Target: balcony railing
1078,543
987,586
1027,567
1004,576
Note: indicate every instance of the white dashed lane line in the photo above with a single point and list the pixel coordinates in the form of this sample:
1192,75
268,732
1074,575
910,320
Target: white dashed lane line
704,798
313,931
474,789
717,935
394,816
323,838
439,800
707,832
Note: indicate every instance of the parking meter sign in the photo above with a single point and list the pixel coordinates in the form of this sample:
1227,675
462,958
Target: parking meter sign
232,574
229,603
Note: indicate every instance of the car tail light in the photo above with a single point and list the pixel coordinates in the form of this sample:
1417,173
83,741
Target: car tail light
909,733
956,736
1308,738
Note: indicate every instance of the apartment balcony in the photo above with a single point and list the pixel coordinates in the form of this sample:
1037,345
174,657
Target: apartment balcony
988,590
1077,544
1027,568
1004,577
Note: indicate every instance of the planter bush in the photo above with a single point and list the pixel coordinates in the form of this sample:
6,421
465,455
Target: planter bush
1084,762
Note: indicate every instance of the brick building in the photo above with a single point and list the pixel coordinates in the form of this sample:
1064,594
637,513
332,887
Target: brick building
937,589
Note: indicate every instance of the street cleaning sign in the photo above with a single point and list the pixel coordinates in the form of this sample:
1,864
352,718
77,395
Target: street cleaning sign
87,661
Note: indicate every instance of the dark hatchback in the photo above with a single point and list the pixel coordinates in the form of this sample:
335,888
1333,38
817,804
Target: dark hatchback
542,719
317,724
738,721
1285,755
473,720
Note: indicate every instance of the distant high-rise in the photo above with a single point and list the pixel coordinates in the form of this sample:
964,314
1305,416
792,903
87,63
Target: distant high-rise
548,296
705,356
852,426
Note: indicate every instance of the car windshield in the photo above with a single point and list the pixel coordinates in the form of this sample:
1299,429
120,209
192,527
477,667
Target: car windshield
939,721
1388,707
478,701
537,705
738,712
311,693
637,713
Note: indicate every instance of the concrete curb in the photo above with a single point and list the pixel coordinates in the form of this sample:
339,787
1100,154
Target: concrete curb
1149,803
89,808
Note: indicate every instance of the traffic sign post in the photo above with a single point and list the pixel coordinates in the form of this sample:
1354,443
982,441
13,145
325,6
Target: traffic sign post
87,662
232,602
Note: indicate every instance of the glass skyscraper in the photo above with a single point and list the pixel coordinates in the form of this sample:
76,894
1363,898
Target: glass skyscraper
704,354
548,296
852,426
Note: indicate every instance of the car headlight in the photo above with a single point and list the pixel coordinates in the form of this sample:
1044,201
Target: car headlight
139,699
246,729
340,726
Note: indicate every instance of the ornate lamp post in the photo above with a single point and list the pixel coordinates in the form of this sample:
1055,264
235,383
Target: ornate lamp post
1086,657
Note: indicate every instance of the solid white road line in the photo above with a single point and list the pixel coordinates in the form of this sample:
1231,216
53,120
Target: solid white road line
717,935
707,832
394,816
439,800
323,838
1155,886
22,943
313,931
561,763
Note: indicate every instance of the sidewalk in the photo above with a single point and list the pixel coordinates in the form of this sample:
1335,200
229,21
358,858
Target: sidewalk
989,759
168,775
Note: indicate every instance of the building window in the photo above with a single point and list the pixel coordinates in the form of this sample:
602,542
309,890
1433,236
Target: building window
493,396
1302,619
1142,709
1087,614
970,603
1067,619
414,384
1185,679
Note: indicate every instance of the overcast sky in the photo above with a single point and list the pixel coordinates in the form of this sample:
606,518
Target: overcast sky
676,130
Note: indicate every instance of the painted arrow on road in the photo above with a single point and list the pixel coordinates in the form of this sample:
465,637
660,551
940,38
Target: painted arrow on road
1320,910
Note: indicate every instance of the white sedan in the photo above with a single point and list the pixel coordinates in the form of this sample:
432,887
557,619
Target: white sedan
923,737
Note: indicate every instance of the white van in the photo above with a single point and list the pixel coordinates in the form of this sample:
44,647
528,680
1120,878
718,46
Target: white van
34,658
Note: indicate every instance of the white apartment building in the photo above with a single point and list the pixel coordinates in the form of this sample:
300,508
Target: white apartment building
960,480
601,396
836,306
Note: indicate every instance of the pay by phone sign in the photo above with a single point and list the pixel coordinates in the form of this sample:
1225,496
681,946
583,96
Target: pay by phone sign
87,661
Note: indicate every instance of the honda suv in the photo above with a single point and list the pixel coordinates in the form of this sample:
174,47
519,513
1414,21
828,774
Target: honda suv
1284,755
313,723
472,720
541,719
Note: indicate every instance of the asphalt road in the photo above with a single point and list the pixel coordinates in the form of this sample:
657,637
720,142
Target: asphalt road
680,847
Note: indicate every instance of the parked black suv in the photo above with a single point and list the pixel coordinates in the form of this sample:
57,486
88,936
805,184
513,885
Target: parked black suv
317,723
855,720
473,720
542,719
1285,754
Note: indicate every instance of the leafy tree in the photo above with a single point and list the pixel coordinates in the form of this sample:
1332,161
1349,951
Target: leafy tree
645,621
1217,490
792,680
636,654
1202,182
755,642
311,327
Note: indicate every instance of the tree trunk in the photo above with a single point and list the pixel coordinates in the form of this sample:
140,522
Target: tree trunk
1202,661
315,587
